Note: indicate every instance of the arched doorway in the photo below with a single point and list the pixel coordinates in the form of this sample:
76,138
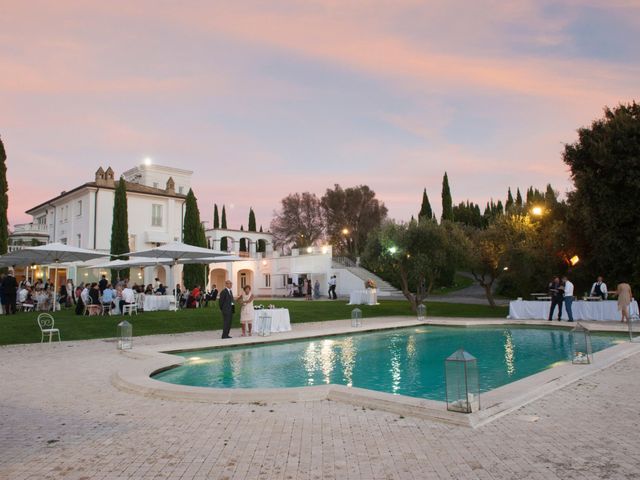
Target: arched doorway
217,276
161,274
227,244
245,277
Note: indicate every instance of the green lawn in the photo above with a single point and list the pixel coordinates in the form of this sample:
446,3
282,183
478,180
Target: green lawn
22,328
459,282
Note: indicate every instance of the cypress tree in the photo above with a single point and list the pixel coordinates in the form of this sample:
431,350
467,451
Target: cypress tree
193,234
425,210
252,220
243,241
261,229
518,199
4,201
120,228
447,202
509,205
223,242
216,217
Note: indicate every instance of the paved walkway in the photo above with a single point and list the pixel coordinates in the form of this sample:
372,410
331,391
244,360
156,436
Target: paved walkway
60,418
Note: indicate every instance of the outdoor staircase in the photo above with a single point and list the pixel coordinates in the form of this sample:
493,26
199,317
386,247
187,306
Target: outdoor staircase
385,289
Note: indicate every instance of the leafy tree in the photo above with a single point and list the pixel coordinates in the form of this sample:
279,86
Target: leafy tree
447,202
193,234
4,201
604,216
468,214
350,216
299,222
252,220
216,217
426,213
224,245
120,228
416,255
519,203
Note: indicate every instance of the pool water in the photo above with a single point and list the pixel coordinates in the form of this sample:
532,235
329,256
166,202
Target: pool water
407,361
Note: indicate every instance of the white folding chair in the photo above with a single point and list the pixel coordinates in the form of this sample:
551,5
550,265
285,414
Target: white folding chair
46,324
130,308
173,303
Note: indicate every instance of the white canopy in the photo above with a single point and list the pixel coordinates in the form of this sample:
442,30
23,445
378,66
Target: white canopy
51,253
180,251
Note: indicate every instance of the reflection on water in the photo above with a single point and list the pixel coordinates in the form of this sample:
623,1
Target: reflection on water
407,361
509,353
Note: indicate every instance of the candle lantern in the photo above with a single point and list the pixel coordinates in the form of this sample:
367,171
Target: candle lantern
125,336
581,345
422,312
264,323
462,382
356,317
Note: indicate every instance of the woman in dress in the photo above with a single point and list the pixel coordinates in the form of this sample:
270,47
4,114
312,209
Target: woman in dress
246,312
624,299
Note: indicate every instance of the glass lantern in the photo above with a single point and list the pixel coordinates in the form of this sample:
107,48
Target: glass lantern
581,345
356,317
125,336
264,324
634,327
422,312
462,382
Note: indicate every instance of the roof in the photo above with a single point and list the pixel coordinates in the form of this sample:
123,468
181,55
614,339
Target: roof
130,186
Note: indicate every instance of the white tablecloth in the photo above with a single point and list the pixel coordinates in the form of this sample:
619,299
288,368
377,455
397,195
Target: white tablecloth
280,321
539,310
153,303
364,297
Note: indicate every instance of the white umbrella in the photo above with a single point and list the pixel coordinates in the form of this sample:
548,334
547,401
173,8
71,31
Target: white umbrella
180,252
51,253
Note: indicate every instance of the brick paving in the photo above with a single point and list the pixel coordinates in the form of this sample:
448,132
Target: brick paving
60,418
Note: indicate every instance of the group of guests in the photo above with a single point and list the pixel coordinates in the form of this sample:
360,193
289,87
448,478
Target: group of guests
306,288
561,291
40,295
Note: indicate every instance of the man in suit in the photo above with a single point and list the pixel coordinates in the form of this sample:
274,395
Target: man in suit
102,284
10,288
227,306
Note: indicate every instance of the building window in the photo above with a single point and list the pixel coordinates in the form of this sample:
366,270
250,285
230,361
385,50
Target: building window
180,190
66,213
155,184
63,241
132,243
267,279
156,215
79,208
243,280
79,240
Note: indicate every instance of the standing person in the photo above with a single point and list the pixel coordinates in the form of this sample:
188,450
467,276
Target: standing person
213,296
3,298
228,307
102,284
557,297
624,300
10,290
316,290
71,292
599,289
246,311
308,288
332,288
568,297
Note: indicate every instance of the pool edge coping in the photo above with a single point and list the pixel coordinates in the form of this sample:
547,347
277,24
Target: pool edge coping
136,377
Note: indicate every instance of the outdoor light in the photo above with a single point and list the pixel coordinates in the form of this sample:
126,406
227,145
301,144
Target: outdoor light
264,262
147,161
505,268
574,260
537,211
309,249
325,249
462,382
392,250
345,231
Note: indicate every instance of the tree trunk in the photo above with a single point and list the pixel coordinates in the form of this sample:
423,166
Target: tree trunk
489,294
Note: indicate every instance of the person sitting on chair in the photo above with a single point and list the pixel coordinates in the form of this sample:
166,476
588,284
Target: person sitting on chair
128,297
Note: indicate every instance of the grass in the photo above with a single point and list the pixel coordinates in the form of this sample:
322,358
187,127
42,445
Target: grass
22,327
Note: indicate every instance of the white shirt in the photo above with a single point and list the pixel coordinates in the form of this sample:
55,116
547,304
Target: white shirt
568,289
85,295
22,295
128,296
603,289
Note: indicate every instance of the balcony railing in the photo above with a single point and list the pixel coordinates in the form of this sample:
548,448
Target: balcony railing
25,228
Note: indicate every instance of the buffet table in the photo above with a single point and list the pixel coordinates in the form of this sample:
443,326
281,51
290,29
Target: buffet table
154,303
364,297
582,310
277,317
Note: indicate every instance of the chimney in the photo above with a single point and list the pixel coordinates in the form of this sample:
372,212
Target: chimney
100,177
108,178
171,186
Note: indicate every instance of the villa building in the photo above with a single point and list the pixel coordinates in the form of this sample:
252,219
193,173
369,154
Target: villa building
156,195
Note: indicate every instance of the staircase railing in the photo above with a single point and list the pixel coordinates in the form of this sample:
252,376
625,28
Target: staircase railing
344,261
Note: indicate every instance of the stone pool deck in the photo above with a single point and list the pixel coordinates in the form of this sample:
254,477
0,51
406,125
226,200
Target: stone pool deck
61,417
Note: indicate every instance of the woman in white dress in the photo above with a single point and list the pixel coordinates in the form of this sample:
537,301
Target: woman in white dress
246,312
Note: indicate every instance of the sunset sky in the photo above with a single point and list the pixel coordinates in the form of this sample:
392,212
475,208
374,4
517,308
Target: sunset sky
264,98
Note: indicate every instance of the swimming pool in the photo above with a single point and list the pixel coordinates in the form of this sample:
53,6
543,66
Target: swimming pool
406,361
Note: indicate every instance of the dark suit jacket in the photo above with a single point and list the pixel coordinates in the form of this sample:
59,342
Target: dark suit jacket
226,302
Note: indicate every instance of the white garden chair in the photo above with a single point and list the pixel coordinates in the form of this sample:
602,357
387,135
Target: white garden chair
173,304
46,324
130,308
